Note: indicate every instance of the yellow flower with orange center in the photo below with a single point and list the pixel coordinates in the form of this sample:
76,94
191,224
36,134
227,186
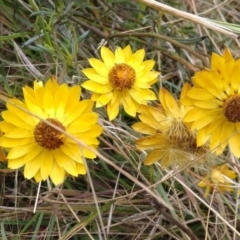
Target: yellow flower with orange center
41,149
215,102
121,78
220,178
171,141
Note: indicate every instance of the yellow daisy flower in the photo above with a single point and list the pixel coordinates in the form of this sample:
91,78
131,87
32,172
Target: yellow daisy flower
42,150
121,78
220,178
170,139
215,99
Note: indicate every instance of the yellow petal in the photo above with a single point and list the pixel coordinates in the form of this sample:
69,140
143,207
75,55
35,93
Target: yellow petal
153,157
81,169
92,75
91,134
157,114
6,126
38,177
198,93
149,95
211,127
33,153
107,57
127,52
227,55
97,87
203,79
65,162
136,57
88,153
32,167
234,77
11,142
202,137
71,150
206,104
73,99
16,163
144,128
141,84
141,95
48,102
60,100
203,122
217,176
112,111
83,106
203,183
20,151
234,145
194,114
129,105
46,159
228,130
82,124
230,174
113,106
104,99
52,85
19,133
216,141
169,103
99,67
19,114
149,142
57,174
149,64
95,96
217,93
12,118
35,106
119,56
185,89
158,125
227,70
216,60
148,77
186,101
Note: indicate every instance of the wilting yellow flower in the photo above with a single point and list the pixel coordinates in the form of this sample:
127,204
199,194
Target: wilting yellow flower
121,78
215,99
220,178
166,118
170,139
42,150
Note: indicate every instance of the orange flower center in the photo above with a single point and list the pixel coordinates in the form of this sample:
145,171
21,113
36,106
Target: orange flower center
122,76
231,108
48,137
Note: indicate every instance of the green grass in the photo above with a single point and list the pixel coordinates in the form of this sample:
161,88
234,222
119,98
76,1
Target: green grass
39,39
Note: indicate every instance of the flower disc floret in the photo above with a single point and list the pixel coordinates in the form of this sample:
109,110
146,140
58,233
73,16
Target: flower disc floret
48,137
122,76
231,108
